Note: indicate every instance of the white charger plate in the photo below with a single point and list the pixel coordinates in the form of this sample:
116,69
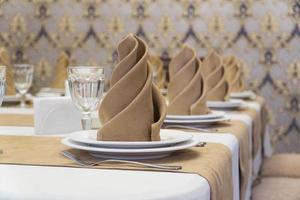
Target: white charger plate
16,98
247,94
197,121
11,98
168,138
231,104
212,115
131,154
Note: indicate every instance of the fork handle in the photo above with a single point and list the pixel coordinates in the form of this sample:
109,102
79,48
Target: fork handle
156,166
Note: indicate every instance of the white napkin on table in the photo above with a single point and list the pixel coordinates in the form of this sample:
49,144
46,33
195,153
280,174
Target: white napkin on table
55,115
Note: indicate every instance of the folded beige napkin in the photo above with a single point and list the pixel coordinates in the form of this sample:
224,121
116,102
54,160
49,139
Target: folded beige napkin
186,89
234,73
213,162
157,67
277,188
61,71
214,75
133,109
5,60
282,165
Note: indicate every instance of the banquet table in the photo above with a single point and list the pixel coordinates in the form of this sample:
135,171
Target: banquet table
33,182
15,180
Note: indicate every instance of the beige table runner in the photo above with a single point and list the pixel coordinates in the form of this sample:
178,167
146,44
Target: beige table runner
16,120
213,162
256,128
259,123
240,131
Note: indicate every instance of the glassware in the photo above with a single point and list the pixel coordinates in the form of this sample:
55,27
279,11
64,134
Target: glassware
86,84
2,83
23,75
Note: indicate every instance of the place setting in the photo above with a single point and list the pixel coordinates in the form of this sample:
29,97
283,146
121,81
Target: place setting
122,138
149,99
188,109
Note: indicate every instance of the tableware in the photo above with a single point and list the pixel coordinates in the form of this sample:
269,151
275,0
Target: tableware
2,83
86,84
12,98
201,144
50,92
247,94
168,138
131,154
87,163
169,126
16,98
23,76
212,115
197,121
231,104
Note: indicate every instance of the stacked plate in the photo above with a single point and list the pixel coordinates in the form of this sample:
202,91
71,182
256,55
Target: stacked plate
226,105
50,92
243,95
210,118
171,140
15,98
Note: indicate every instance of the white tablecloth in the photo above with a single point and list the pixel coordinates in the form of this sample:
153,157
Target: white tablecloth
37,182
194,187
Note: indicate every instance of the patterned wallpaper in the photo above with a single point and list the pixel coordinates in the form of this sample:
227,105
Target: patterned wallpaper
265,33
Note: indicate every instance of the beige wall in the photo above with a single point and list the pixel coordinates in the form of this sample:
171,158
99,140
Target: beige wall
265,33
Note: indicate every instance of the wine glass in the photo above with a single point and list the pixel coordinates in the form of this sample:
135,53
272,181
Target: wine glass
2,83
86,84
23,75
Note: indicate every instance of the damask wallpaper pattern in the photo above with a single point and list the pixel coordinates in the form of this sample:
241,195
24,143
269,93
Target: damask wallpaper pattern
265,33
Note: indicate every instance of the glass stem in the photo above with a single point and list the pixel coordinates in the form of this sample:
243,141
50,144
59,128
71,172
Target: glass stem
23,101
86,121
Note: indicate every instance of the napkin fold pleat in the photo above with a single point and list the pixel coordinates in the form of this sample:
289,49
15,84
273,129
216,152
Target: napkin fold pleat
5,60
133,109
186,90
234,73
61,71
214,75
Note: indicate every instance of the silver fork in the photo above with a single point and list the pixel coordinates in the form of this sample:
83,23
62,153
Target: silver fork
191,128
86,163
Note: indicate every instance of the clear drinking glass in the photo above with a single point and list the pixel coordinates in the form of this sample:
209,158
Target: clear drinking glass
86,84
2,83
23,75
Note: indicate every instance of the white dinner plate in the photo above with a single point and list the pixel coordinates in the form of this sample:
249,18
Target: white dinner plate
243,95
231,104
168,138
212,115
50,92
11,98
15,98
131,154
197,121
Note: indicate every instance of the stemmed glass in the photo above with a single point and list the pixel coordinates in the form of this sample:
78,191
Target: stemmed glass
2,83
86,84
23,75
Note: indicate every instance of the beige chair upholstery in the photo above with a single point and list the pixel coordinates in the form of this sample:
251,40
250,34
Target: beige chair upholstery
277,188
281,165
